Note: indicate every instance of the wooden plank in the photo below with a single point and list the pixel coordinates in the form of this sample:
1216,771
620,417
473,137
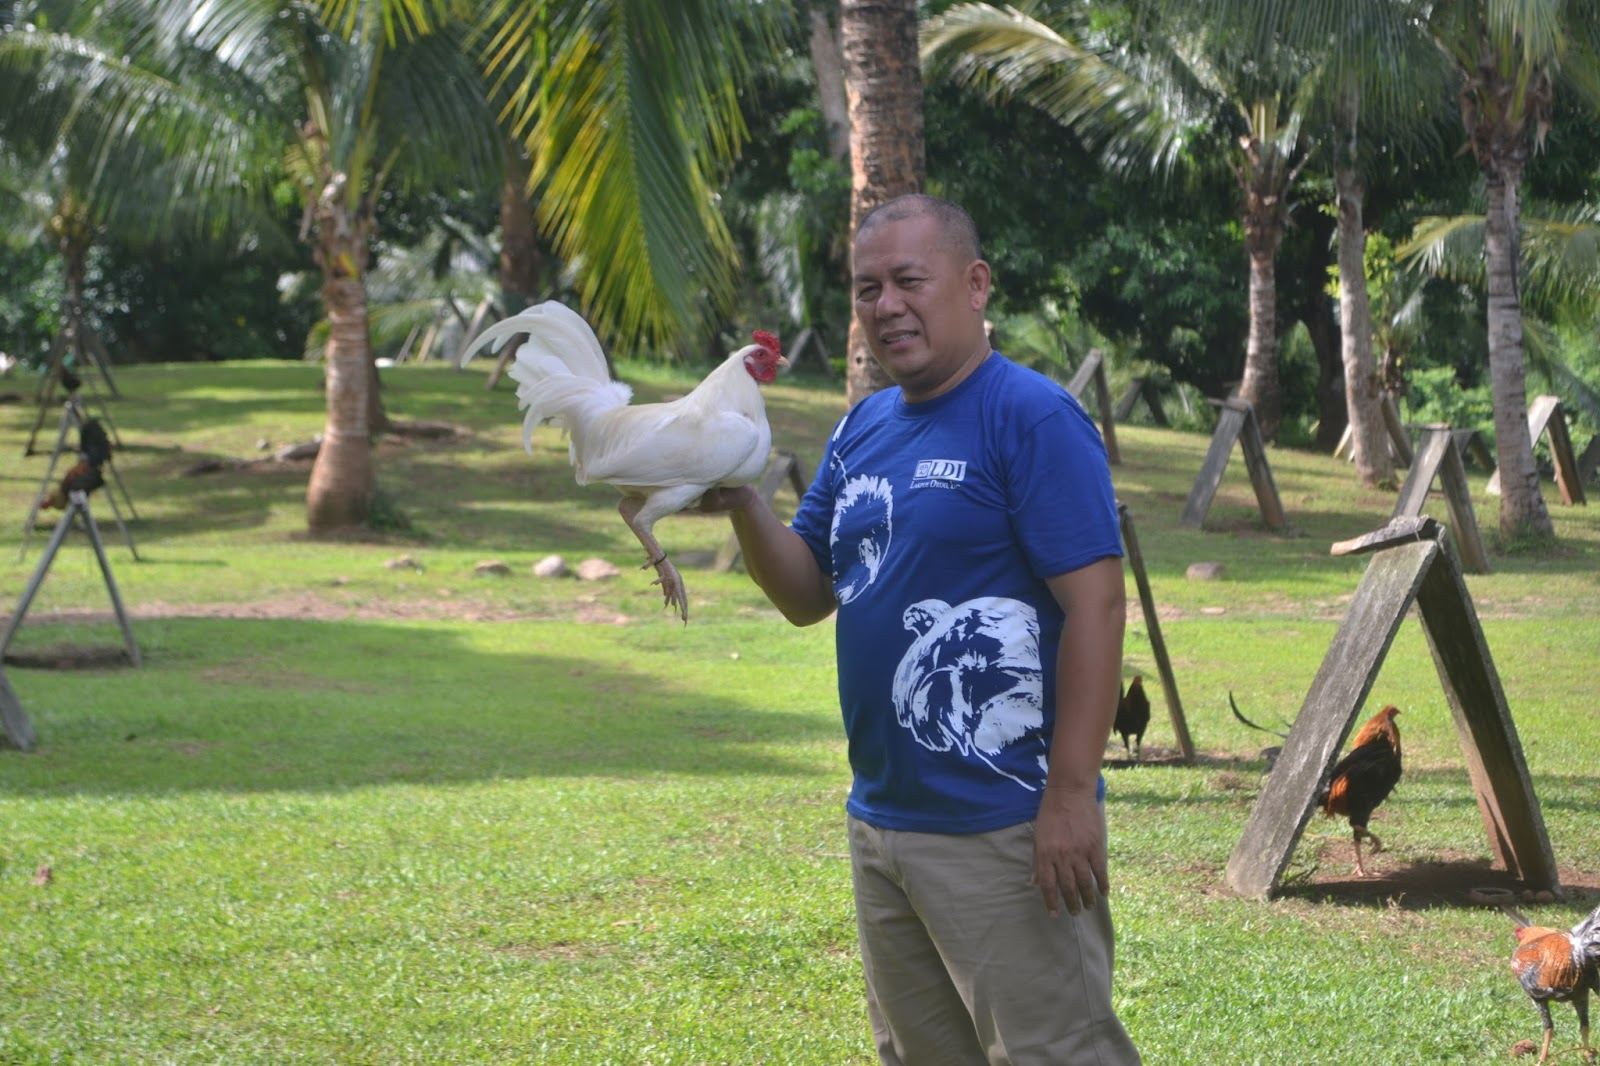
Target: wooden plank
1158,645
1489,743
1255,462
1545,416
1469,442
18,730
1568,479
1230,419
1438,457
80,501
1080,377
1130,396
1425,467
1335,698
1399,440
1108,424
1464,531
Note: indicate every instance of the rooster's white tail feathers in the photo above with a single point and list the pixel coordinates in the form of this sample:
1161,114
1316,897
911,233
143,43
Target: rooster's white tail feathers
554,330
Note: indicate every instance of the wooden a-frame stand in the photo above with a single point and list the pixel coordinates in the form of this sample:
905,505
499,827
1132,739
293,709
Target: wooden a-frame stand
1399,442
79,340
73,417
1545,417
1093,369
1411,566
783,465
77,507
1158,645
13,720
1236,421
1438,456
1141,389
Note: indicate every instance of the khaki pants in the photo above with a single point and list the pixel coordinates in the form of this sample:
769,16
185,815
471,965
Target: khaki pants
964,965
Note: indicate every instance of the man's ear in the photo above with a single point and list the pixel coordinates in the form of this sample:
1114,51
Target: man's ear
978,284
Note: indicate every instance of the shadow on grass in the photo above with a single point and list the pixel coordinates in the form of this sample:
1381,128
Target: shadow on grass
247,705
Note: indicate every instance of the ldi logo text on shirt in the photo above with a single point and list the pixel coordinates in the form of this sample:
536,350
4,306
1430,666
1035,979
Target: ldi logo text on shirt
940,470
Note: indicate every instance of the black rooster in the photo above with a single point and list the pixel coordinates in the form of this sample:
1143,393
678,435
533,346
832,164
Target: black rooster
1133,715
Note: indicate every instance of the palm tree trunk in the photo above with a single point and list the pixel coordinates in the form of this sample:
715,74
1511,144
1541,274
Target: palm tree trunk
883,81
827,62
339,494
1522,510
1362,390
521,261
1260,387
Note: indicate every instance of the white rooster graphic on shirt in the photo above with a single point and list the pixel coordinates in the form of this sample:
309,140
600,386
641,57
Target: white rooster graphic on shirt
972,680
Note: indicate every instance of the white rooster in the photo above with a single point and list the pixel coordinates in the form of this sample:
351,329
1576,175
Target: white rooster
661,456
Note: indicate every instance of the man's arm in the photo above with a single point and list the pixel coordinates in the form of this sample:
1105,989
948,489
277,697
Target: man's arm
775,556
1069,847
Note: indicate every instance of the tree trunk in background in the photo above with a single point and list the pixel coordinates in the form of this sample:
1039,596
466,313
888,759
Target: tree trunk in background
1318,312
1499,118
883,83
1522,509
521,258
339,494
1363,392
1263,232
827,62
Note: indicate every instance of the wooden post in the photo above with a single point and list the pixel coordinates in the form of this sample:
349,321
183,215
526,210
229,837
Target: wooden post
1093,369
1545,417
18,730
1411,566
1158,646
77,505
1236,421
1438,456
783,464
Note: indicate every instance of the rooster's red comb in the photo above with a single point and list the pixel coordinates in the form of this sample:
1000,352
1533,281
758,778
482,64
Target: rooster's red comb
767,341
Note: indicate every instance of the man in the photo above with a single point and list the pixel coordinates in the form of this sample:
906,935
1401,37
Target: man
964,528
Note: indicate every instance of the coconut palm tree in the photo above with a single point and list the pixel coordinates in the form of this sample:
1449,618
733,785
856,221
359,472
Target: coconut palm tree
215,96
883,74
1503,63
1164,94
1377,65
1509,56
628,113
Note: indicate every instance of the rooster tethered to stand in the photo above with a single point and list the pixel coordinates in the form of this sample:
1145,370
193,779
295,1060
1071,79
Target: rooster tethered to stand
662,457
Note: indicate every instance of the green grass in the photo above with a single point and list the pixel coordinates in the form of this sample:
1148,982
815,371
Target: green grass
349,814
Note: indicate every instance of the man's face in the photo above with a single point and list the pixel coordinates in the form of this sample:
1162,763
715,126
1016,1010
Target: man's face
920,305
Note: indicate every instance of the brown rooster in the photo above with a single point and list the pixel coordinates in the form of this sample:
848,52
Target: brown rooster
1133,716
1561,966
1365,777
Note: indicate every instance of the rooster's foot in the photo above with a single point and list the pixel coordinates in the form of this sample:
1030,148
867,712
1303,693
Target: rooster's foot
673,594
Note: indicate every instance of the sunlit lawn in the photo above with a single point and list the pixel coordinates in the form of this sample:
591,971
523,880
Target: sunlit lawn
348,812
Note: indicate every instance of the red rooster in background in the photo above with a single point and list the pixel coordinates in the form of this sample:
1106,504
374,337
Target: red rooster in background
661,456
94,451
1365,777
1560,966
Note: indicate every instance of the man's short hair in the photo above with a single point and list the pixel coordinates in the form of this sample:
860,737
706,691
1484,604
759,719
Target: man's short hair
956,227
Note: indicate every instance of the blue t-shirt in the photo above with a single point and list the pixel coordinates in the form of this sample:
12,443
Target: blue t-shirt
938,523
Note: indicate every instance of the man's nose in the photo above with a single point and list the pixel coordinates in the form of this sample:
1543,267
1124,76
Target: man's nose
890,302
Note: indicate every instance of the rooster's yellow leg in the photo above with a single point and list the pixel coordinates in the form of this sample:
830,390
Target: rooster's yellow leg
672,591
